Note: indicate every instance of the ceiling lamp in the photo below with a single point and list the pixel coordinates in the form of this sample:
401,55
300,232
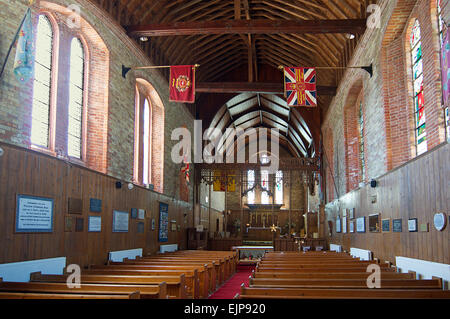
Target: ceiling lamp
350,36
143,39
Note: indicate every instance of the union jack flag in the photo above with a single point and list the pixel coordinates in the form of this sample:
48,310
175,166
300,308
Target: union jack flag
300,86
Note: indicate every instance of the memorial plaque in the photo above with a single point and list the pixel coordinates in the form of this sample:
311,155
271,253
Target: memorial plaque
397,225
440,221
120,221
361,224
140,228
351,226
68,224
385,225
75,206
79,224
95,205
95,224
412,224
374,223
34,214
134,213
141,214
163,235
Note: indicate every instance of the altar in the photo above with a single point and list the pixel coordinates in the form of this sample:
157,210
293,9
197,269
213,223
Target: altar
251,253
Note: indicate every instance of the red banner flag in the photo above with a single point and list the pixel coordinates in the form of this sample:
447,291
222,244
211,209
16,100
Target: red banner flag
300,86
182,84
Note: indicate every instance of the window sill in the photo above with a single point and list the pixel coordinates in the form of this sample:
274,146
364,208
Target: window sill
43,150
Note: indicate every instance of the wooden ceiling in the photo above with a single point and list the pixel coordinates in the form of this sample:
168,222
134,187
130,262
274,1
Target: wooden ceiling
245,37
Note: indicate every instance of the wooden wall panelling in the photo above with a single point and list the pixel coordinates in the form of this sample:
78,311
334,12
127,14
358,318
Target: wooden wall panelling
27,172
418,189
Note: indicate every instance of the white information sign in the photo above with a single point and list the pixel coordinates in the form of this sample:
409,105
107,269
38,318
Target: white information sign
34,214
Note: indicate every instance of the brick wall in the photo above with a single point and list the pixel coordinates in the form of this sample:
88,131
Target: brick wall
114,151
388,103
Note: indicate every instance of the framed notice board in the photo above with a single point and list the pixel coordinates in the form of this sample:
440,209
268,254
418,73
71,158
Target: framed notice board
34,214
163,222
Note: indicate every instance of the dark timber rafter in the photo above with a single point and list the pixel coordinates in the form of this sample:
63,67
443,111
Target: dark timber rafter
354,26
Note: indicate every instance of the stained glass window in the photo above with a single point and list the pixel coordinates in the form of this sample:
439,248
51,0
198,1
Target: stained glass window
146,144
361,142
417,70
76,99
264,185
279,187
441,26
40,115
250,184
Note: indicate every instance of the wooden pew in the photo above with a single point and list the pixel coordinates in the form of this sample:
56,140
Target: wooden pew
230,257
321,269
330,275
176,285
196,280
18,295
217,276
146,291
210,267
293,293
344,283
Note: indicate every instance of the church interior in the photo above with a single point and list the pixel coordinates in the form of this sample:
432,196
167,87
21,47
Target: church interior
224,149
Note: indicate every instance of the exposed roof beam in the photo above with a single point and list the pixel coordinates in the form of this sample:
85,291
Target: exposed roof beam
249,27
255,87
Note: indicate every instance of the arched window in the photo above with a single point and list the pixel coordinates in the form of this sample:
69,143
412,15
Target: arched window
250,184
264,185
76,99
142,163
361,142
279,187
40,117
441,23
146,155
148,137
417,71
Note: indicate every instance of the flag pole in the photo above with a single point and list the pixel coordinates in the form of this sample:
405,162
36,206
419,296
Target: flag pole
13,42
125,69
368,68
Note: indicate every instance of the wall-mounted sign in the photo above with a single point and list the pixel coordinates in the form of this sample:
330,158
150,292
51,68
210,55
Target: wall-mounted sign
440,221
95,205
34,214
361,224
141,214
385,225
95,224
397,225
140,228
163,222
120,221
338,225
134,213
412,224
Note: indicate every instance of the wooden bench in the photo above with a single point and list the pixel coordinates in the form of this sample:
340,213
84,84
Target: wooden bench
344,283
211,268
197,288
217,277
145,291
176,285
191,277
18,295
229,258
330,275
307,293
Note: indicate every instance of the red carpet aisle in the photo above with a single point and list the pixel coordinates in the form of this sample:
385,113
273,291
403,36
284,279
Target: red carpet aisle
233,285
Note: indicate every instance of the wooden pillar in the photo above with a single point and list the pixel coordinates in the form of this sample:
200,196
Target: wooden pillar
321,220
290,199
